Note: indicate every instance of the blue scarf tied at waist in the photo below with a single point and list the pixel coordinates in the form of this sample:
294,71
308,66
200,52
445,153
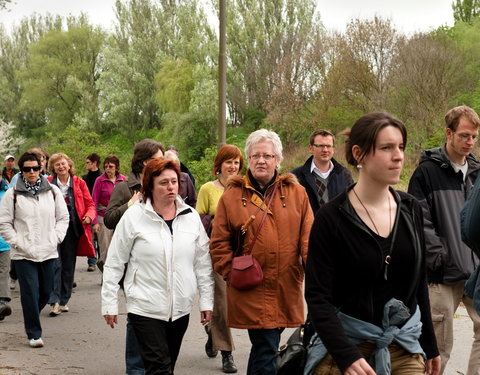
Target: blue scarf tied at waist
358,331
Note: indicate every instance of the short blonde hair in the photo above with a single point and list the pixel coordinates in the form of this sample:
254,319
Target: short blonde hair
57,157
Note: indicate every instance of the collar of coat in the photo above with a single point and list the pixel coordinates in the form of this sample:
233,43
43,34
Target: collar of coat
256,198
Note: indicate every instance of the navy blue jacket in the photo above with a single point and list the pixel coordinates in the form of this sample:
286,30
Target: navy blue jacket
339,180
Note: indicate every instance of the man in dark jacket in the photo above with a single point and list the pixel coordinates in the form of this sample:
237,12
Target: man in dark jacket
92,163
321,175
442,182
9,170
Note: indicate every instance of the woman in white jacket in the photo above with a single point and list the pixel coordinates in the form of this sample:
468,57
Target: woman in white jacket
33,220
166,248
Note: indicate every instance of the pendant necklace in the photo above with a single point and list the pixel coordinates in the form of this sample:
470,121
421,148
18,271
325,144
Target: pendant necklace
368,214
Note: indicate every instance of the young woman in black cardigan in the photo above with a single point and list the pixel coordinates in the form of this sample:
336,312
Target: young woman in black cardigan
367,248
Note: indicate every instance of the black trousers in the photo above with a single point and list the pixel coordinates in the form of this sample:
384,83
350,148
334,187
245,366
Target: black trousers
159,342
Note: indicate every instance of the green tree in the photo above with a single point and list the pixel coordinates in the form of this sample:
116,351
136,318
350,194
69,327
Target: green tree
466,10
59,80
147,34
174,83
428,74
193,131
467,43
14,51
261,33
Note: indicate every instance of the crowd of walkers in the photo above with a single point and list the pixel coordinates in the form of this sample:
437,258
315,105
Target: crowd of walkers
385,270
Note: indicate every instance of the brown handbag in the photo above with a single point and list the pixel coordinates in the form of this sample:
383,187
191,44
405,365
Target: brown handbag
246,272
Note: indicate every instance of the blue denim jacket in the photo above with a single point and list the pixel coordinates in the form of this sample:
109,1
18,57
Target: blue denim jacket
358,331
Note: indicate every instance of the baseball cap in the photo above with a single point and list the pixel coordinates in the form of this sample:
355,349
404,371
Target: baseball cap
9,157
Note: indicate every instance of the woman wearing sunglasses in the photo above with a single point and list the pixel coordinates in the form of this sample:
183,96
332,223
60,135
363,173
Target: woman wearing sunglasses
33,221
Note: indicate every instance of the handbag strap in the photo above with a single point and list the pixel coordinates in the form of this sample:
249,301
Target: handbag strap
271,196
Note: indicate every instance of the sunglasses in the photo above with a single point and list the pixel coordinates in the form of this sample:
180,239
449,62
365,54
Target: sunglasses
28,169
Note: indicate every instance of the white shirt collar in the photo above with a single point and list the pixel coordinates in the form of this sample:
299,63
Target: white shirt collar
314,169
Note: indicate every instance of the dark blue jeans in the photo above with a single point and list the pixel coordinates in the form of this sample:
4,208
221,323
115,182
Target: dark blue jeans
65,268
133,359
265,344
36,284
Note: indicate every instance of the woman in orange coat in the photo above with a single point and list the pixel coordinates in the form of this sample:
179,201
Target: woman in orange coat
78,240
280,247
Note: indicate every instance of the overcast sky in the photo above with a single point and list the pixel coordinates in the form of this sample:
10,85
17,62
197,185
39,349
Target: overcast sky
407,15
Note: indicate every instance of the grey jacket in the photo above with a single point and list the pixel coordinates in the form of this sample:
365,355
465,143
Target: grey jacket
442,193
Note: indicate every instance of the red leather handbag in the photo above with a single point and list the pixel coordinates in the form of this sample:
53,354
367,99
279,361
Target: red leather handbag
246,272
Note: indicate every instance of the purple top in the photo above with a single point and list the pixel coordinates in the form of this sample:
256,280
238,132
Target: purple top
102,190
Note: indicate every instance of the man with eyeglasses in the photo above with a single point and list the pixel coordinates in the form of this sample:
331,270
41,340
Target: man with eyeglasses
321,175
442,182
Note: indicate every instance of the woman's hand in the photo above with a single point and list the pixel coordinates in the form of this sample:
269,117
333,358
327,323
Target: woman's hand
205,316
111,320
96,228
433,366
135,197
86,220
360,367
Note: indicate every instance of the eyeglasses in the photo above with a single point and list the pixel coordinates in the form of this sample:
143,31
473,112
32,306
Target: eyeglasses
328,147
467,137
28,169
266,157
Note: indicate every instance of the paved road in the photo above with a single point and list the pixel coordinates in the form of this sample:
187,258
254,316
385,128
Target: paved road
80,342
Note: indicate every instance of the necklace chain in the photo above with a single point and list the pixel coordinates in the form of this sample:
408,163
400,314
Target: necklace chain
368,214
220,180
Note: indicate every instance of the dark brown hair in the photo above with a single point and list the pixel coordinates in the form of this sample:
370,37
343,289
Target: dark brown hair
94,158
227,152
113,159
154,168
143,151
365,131
28,156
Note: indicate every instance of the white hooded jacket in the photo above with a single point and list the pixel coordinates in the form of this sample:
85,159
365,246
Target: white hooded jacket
33,225
164,270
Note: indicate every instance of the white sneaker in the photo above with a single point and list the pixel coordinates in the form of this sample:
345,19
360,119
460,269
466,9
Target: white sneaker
36,343
54,311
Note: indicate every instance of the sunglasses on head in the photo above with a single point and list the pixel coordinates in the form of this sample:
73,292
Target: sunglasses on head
28,169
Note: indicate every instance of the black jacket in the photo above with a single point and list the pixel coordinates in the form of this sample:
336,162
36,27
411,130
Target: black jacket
339,179
442,193
344,265
90,179
4,174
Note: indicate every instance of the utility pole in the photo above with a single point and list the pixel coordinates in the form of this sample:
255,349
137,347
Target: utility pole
222,76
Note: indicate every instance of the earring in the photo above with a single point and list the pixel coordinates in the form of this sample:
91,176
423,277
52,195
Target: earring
359,166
